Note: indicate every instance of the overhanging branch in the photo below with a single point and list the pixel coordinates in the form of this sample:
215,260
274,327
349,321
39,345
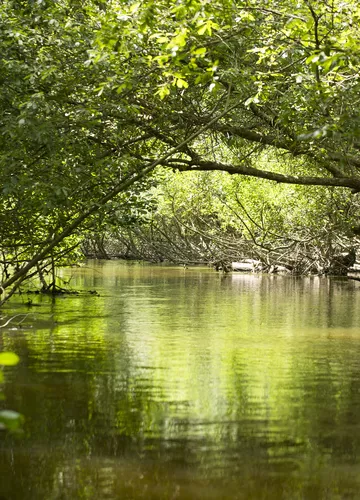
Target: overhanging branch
183,166
120,187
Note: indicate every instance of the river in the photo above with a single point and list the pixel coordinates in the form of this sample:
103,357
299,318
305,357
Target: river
174,383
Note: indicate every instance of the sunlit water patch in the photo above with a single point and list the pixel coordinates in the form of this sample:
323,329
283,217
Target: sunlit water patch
177,383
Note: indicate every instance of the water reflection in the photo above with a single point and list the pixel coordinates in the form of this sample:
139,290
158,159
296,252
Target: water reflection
181,383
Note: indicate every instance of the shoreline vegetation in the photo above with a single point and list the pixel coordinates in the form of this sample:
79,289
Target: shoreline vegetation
337,264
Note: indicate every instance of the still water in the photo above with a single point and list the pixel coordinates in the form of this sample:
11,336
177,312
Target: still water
184,384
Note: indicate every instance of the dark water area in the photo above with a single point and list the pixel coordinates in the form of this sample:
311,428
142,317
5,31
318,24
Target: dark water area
184,384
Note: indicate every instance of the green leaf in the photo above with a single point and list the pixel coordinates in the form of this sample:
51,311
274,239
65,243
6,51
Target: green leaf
134,7
9,358
314,58
295,23
163,91
202,29
200,52
179,40
180,83
11,420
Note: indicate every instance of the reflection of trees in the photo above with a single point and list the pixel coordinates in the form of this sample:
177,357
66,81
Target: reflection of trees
225,375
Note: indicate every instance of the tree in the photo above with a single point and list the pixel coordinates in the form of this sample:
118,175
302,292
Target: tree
213,217
97,95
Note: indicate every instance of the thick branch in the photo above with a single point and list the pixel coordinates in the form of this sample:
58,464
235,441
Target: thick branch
292,145
348,182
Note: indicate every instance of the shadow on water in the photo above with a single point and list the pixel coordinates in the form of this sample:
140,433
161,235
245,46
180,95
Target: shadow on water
182,384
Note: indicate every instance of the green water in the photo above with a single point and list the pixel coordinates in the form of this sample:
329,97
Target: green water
184,384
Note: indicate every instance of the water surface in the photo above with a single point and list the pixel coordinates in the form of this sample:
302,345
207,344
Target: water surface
184,384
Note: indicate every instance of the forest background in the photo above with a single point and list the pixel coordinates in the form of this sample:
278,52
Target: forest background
187,131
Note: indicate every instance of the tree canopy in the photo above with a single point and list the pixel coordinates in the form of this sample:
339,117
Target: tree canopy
97,94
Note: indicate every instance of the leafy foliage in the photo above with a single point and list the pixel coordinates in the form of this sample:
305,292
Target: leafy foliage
97,95
215,217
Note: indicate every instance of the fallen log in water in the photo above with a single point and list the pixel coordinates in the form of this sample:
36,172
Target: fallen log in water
250,265
246,266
